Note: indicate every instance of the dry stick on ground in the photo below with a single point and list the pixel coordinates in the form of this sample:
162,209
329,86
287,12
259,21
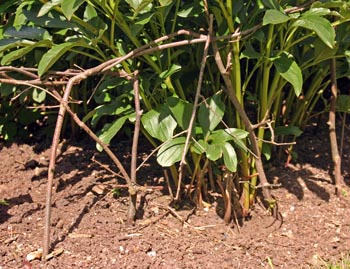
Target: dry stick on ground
338,179
249,126
195,103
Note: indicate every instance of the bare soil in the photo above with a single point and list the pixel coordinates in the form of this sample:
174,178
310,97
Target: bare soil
88,219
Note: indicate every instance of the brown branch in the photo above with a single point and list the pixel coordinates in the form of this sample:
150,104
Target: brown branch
246,121
196,99
132,190
338,179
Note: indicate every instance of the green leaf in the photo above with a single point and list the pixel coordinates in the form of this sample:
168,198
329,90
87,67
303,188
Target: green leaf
181,111
343,103
52,20
7,89
27,32
317,12
211,113
14,55
322,52
199,147
70,6
116,107
250,53
321,26
110,130
272,4
172,70
266,151
231,134
274,17
288,130
290,71
48,6
171,151
230,157
165,2
159,123
186,11
38,95
54,54
213,152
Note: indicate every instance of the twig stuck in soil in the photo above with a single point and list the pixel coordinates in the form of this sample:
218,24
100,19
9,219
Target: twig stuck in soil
195,104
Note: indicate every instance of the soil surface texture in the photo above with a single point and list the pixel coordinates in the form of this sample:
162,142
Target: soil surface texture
89,227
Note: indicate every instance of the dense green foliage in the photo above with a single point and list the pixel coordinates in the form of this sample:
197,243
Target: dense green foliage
279,72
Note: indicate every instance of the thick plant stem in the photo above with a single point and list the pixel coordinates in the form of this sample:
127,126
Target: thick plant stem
338,179
249,126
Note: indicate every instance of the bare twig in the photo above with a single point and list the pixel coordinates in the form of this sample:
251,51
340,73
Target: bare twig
250,128
338,179
132,191
195,103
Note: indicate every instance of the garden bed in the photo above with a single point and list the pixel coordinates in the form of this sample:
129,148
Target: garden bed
88,218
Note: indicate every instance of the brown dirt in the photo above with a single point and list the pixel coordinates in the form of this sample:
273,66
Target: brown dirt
91,229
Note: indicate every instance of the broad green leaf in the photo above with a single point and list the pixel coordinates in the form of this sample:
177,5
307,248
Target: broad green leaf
290,71
173,69
214,152
237,133
54,54
232,134
38,95
52,20
317,12
171,151
186,11
211,113
20,19
288,130
27,32
181,111
144,19
9,130
272,4
322,52
90,13
274,17
116,107
144,7
70,6
321,26
266,151
7,89
343,103
230,157
249,52
14,55
110,130
45,8
159,123
5,6
9,43
199,147
165,2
